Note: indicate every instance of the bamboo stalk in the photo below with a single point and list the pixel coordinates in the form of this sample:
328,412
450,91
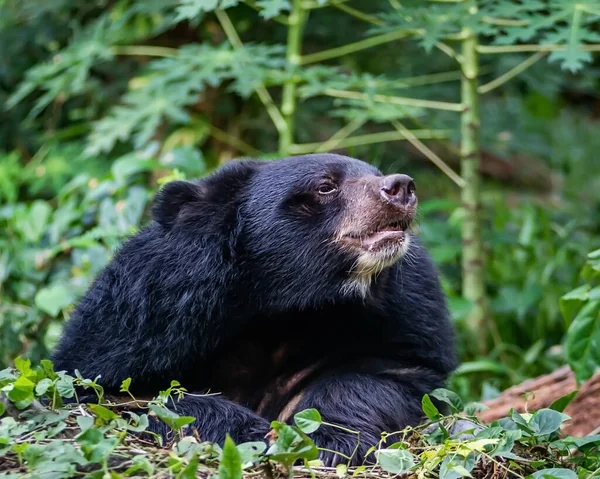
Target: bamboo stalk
473,280
296,21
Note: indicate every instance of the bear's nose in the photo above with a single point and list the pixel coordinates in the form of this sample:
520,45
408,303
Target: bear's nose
398,189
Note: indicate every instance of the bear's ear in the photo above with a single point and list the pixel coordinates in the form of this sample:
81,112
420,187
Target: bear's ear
171,198
220,188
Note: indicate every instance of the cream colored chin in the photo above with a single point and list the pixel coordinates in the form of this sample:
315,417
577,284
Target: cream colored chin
369,264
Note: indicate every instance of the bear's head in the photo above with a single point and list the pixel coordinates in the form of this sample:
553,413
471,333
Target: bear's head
304,230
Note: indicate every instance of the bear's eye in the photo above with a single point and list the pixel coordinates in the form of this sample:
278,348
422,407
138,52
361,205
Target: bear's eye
326,189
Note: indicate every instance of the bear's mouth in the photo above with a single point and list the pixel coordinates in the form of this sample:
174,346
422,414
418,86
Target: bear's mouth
388,234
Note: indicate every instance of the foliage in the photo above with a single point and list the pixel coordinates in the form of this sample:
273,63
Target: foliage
192,83
581,311
93,440
53,247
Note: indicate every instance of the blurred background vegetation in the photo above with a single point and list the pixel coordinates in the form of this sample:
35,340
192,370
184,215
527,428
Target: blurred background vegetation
105,99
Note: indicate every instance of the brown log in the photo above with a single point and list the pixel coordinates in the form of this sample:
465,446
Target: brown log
540,392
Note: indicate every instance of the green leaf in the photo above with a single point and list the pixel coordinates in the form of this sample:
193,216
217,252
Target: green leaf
291,445
250,451
125,385
546,421
129,165
272,8
190,470
562,402
308,421
554,473
185,158
22,392
455,466
103,414
172,419
230,466
64,386
42,387
139,463
85,422
32,225
429,408
449,397
571,302
53,299
582,343
395,461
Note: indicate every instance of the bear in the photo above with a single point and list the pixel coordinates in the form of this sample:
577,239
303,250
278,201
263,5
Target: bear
279,285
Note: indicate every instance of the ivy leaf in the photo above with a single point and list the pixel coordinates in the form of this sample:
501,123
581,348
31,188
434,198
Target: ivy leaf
554,473
308,421
395,461
546,421
251,451
582,342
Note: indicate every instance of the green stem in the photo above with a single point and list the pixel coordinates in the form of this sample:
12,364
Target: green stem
231,140
370,139
261,91
341,135
354,47
145,51
490,49
473,281
365,17
296,20
395,100
430,155
513,72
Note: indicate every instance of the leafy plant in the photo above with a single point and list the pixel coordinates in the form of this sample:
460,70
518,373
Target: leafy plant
89,440
52,248
581,311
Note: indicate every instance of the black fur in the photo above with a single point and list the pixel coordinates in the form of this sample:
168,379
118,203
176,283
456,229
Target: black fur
236,287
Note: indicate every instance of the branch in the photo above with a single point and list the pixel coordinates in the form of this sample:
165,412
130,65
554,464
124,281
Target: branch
354,47
145,50
341,135
513,72
395,100
261,91
231,140
491,49
369,139
436,160
365,17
